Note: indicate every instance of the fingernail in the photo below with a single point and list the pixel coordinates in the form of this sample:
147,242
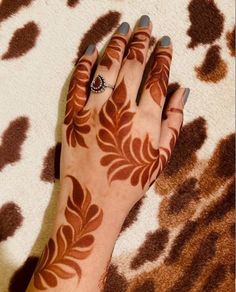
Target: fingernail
165,41
90,49
144,21
186,95
123,28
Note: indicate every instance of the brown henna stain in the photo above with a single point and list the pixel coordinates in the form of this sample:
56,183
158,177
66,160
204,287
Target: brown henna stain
113,51
10,220
9,7
12,140
207,22
214,68
76,117
99,29
127,157
51,164
23,40
73,241
21,277
137,46
158,78
151,249
230,38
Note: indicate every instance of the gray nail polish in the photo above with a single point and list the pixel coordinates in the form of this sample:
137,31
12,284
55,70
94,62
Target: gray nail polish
90,49
144,21
123,28
186,95
165,41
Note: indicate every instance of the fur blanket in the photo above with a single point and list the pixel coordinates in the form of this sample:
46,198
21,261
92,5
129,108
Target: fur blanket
180,236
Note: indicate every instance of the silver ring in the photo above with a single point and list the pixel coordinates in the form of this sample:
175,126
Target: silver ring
99,84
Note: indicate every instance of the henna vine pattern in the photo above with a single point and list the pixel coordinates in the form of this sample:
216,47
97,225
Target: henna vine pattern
73,240
158,78
113,51
76,117
127,156
137,46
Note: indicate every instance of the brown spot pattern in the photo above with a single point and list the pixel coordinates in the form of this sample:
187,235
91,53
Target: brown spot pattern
151,249
51,164
213,68
220,165
72,3
102,27
12,140
21,278
230,38
205,253
23,40
191,138
183,195
200,221
147,286
152,41
115,281
10,220
225,156
207,22
215,278
9,7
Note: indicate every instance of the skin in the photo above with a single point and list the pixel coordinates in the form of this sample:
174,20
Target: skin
113,149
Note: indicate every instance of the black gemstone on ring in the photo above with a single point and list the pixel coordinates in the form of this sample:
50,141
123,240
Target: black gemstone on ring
98,84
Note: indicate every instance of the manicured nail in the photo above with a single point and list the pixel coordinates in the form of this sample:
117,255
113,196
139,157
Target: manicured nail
144,21
186,95
123,28
90,49
165,41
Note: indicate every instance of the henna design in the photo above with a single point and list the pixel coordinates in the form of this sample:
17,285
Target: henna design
73,240
158,77
113,51
76,117
127,156
137,45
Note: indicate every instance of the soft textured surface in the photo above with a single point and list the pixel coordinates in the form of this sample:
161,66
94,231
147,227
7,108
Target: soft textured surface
181,236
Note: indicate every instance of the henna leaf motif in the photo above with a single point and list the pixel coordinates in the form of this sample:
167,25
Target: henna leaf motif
137,46
158,78
73,240
113,51
76,117
126,157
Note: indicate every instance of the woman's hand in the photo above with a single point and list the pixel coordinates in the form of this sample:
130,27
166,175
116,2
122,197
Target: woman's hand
113,148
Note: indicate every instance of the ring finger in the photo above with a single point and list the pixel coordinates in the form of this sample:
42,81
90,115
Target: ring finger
109,67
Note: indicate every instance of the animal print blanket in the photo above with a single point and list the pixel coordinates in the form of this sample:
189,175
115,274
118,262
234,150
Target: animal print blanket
180,236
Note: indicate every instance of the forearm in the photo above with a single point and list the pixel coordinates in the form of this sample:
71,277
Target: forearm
79,251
